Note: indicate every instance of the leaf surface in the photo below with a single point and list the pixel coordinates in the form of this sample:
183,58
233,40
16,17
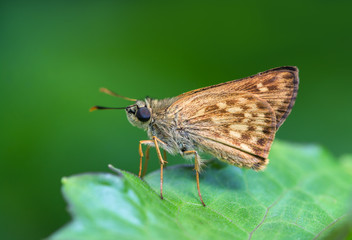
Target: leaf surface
303,194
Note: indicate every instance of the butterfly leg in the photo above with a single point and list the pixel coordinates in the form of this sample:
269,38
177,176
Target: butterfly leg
197,168
146,161
162,162
141,153
165,157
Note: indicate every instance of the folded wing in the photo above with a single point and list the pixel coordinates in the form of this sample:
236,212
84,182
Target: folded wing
237,127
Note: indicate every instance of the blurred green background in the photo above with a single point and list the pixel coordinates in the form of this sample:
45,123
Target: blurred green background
54,56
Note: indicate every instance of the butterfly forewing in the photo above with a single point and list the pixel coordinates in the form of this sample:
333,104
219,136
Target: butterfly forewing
237,126
277,86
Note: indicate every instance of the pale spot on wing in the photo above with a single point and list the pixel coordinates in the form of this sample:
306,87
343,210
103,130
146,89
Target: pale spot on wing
247,115
259,85
239,127
235,109
235,134
260,115
263,89
216,119
254,139
260,122
200,112
245,147
221,105
253,106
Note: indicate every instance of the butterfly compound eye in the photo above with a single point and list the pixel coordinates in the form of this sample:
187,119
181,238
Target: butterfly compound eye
143,114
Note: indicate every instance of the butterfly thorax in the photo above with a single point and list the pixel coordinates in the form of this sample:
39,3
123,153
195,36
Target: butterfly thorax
164,126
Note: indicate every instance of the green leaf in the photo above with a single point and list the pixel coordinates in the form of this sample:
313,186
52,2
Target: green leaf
303,194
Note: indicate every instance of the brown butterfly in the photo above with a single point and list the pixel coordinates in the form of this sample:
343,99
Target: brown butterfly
234,121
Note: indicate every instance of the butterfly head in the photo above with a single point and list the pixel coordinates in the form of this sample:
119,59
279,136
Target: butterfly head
139,114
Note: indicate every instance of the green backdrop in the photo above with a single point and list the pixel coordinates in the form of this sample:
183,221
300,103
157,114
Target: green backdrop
54,56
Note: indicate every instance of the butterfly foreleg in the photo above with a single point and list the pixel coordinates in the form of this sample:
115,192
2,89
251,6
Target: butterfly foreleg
197,169
146,161
148,142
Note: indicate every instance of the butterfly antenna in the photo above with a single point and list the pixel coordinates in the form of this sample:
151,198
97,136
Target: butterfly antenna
103,108
107,91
